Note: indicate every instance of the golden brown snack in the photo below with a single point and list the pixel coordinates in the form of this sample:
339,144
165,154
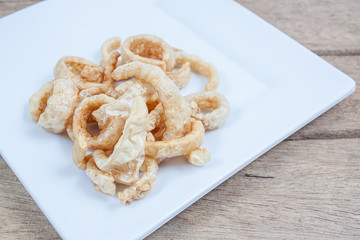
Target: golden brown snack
176,109
198,157
102,181
110,57
129,151
144,185
148,49
111,131
181,77
197,64
178,146
38,100
215,108
142,121
60,106
79,152
79,70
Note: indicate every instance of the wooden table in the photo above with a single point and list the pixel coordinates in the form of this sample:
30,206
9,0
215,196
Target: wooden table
308,186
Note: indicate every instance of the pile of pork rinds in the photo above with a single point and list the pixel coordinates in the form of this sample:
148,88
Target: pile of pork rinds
142,121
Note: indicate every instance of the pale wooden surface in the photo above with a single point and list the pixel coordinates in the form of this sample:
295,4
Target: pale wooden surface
308,186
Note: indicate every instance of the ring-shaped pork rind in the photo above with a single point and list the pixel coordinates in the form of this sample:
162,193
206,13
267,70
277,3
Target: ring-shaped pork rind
181,77
110,57
79,70
176,110
179,146
198,65
110,132
38,100
60,106
102,181
143,186
129,152
213,101
148,49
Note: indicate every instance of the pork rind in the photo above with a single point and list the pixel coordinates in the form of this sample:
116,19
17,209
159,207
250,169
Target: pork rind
102,181
38,101
210,107
148,49
198,157
59,106
143,186
111,131
176,109
129,151
79,70
177,146
142,121
198,65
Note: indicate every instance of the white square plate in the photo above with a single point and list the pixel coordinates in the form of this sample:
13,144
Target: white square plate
274,86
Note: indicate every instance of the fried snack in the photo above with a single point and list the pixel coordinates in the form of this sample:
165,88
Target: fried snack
110,57
102,181
121,107
181,77
38,101
79,70
60,106
178,146
198,65
216,105
129,151
148,49
198,157
79,152
176,109
142,186
111,131
142,121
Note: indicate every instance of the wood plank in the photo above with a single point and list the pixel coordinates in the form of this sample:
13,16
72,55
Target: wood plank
343,120
301,189
328,27
308,188
7,7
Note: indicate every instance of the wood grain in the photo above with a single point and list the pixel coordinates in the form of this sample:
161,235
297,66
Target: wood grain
328,27
306,187
299,190
7,7
343,120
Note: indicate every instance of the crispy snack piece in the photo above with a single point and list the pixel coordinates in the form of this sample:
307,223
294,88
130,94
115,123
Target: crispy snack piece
197,64
38,101
129,151
79,70
97,89
60,106
176,109
148,49
198,157
102,181
110,57
179,146
109,46
216,104
111,131
181,77
121,106
79,152
142,186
